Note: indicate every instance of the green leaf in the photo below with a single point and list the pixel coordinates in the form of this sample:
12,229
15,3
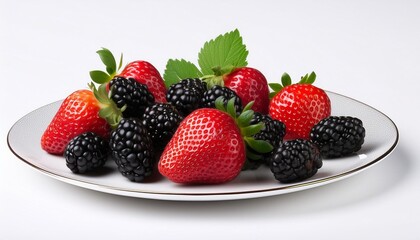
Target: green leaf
311,78
108,59
248,106
303,78
223,51
231,108
245,118
286,80
219,104
276,87
121,62
260,146
99,76
308,78
251,130
178,69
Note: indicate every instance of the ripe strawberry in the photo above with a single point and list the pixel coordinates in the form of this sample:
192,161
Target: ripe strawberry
142,71
299,106
250,85
79,113
209,146
145,73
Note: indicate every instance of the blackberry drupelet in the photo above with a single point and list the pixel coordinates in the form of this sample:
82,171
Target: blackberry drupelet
86,152
186,95
295,160
273,132
338,136
210,96
132,94
161,121
131,149
196,83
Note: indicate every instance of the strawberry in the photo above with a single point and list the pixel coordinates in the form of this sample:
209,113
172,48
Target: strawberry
141,71
250,85
145,73
79,113
209,146
299,106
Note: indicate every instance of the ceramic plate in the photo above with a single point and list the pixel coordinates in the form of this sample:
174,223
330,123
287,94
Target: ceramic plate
381,138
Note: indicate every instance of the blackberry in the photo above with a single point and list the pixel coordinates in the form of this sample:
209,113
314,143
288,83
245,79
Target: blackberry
186,95
132,94
295,160
161,121
338,136
210,96
131,149
273,132
86,152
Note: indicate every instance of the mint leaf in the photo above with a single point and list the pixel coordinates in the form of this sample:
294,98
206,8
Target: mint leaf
178,69
223,51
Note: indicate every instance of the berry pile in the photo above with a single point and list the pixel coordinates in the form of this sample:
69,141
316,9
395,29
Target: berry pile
199,124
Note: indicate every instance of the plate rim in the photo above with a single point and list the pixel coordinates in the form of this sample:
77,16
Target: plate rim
153,195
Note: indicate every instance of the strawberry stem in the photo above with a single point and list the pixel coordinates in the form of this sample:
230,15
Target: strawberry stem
213,80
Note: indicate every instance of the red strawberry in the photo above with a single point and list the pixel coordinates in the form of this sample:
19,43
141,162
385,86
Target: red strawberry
208,146
78,113
147,74
250,85
142,71
299,106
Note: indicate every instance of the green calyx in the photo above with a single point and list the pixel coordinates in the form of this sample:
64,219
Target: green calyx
286,80
248,130
112,69
108,109
218,77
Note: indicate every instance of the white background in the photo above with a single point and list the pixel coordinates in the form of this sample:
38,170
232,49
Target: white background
367,50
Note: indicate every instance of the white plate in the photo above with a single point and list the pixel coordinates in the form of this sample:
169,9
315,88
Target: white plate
381,138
